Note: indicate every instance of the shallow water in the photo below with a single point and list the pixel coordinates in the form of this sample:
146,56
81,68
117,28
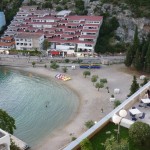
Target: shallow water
38,105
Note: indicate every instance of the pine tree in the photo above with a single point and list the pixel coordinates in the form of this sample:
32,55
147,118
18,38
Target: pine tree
134,86
147,60
138,61
132,50
136,41
129,57
143,55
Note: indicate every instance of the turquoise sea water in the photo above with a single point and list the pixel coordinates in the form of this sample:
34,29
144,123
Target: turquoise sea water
38,105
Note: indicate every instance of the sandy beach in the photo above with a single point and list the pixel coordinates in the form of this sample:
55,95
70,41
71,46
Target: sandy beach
91,100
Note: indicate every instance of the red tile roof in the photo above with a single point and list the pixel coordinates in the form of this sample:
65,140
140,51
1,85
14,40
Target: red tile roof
88,36
8,38
92,25
7,43
66,36
73,24
89,18
89,31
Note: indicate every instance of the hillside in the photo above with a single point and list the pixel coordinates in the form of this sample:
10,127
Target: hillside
10,7
141,8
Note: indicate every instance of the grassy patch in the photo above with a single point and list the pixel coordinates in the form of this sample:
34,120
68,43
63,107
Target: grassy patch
102,135
111,129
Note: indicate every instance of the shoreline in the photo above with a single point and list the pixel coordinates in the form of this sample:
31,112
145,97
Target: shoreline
90,101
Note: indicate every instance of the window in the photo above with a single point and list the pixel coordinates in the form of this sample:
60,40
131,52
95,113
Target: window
88,45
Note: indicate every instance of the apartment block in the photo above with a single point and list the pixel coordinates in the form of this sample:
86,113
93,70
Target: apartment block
29,41
66,32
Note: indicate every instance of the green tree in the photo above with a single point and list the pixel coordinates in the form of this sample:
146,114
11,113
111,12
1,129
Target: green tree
138,60
79,4
112,144
136,41
94,78
86,73
139,133
86,144
33,63
117,103
13,146
46,44
89,123
134,86
7,122
54,65
103,80
99,85
59,8
144,81
143,57
147,60
129,57
64,69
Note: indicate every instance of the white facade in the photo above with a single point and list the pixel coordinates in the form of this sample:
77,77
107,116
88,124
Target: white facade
65,47
88,47
4,139
2,19
29,42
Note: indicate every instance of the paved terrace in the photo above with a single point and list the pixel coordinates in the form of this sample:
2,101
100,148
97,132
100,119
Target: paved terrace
127,104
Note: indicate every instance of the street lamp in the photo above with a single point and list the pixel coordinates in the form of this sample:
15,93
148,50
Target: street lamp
117,120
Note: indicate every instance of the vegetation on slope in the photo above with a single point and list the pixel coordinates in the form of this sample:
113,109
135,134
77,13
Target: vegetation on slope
10,8
138,55
141,8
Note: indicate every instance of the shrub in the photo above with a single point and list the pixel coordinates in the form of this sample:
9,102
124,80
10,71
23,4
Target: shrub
33,64
67,60
89,124
116,103
139,132
64,69
54,65
73,138
112,144
86,144
112,96
13,146
103,80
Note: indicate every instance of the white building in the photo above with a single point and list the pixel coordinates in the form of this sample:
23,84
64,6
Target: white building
2,19
67,33
29,41
4,140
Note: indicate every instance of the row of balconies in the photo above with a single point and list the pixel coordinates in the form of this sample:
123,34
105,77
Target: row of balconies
24,44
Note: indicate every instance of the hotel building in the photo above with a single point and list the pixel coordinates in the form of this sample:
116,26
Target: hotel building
67,33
